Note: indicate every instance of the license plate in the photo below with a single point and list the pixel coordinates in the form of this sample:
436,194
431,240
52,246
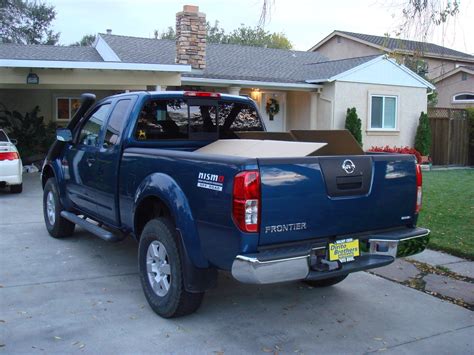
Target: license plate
344,250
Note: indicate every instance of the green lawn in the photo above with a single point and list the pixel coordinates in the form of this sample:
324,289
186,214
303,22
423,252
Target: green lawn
448,210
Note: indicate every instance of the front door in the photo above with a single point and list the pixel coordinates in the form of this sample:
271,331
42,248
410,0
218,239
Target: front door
108,159
273,109
81,161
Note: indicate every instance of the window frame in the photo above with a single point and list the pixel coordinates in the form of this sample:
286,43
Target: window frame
131,104
468,101
86,119
383,96
63,97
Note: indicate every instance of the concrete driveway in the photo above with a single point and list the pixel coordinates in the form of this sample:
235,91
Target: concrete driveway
83,295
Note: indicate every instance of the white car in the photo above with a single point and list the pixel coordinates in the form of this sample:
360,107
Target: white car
11,168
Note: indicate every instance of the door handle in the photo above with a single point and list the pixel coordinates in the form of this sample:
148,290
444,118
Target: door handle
90,161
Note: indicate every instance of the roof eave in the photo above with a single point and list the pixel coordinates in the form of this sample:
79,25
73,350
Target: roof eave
48,64
248,83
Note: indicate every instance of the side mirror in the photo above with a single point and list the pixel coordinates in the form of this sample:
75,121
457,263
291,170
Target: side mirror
64,135
13,141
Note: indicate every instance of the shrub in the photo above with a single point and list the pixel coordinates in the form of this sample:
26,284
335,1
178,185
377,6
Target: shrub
354,124
33,135
423,135
400,150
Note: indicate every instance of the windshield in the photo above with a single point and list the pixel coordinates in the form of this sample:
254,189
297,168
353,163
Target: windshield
3,137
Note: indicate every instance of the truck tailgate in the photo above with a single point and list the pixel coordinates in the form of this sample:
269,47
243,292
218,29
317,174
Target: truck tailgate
317,197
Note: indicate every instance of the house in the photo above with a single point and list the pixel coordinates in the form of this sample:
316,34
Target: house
456,87
312,91
439,64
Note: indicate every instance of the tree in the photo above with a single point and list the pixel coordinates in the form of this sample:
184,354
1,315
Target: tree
27,22
423,135
168,34
420,17
354,124
215,34
257,36
244,35
86,41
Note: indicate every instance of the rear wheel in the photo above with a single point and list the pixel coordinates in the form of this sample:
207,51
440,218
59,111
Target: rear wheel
16,189
325,282
56,225
161,271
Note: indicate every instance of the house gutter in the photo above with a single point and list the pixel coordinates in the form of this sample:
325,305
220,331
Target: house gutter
249,83
46,64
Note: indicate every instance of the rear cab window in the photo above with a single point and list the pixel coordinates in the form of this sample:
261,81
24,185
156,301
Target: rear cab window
194,119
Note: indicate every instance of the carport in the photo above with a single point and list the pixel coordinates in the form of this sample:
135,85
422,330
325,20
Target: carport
55,85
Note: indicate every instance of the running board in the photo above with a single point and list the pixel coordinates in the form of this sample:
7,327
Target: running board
92,228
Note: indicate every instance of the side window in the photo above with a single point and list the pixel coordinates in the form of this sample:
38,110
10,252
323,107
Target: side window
90,132
162,119
116,122
246,119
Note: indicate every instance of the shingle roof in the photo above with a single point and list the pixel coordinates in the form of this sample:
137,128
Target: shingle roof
223,61
325,70
46,52
407,45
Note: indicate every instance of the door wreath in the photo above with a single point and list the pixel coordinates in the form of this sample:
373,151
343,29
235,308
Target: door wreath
272,107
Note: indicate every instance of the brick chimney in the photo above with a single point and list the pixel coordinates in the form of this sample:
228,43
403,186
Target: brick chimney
191,37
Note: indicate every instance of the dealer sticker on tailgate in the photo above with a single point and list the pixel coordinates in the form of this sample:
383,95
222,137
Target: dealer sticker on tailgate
344,250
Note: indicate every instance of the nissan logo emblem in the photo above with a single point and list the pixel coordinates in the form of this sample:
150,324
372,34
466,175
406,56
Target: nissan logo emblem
348,166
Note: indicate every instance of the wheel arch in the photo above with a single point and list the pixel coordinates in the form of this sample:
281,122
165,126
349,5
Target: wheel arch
160,195
46,174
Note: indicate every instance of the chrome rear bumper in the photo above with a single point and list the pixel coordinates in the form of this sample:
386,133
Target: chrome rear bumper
376,250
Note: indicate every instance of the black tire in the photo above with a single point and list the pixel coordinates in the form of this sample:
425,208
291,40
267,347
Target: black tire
325,282
61,227
177,301
16,189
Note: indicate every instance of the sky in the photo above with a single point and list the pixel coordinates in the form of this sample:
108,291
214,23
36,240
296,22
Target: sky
305,22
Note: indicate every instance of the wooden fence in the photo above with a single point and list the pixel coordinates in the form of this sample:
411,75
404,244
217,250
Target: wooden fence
450,136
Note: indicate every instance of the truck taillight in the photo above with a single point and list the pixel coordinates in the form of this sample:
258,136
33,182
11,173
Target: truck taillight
246,201
419,183
9,156
214,95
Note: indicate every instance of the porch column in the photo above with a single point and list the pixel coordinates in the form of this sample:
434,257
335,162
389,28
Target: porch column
234,90
313,110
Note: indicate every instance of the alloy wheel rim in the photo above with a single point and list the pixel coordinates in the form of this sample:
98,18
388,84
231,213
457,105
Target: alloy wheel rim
50,208
158,268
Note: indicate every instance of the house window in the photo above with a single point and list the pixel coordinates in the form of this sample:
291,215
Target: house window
66,107
464,76
463,97
383,113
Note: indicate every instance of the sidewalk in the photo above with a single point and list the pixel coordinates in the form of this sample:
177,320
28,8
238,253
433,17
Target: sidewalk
439,274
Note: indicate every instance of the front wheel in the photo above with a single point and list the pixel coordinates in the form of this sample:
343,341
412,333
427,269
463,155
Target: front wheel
56,225
161,271
325,282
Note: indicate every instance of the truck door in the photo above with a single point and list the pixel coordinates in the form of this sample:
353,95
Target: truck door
108,160
81,161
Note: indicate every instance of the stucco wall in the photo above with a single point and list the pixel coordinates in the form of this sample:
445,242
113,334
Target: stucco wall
25,100
298,110
345,49
411,102
451,86
325,106
437,67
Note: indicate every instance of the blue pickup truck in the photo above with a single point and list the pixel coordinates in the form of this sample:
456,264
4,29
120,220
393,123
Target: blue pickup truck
130,165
